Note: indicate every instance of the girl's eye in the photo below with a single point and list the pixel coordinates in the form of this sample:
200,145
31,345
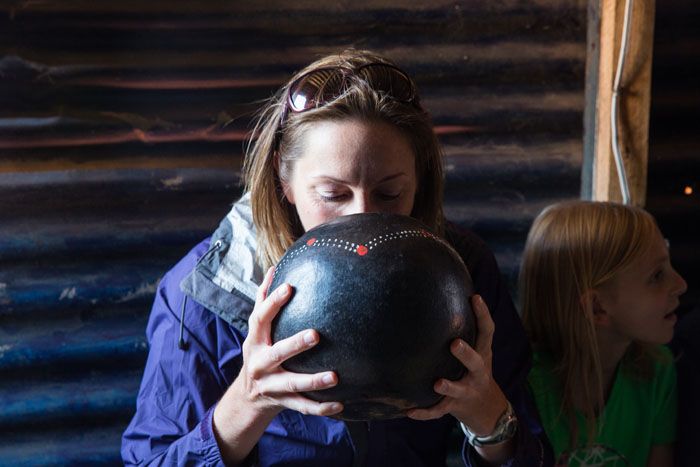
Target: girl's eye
658,275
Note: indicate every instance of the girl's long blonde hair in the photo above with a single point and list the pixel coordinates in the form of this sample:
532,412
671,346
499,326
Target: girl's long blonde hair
573,248
275,147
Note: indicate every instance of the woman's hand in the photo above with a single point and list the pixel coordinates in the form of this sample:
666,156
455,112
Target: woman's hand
263,388
263,381
475,399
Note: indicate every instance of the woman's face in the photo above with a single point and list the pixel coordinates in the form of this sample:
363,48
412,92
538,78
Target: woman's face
350,167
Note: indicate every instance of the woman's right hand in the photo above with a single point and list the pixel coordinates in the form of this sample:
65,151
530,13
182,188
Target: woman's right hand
263,388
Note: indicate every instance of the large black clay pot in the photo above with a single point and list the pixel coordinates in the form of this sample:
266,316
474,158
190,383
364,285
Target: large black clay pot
387,298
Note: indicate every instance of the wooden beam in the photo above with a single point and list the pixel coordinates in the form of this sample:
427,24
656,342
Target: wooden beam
606,24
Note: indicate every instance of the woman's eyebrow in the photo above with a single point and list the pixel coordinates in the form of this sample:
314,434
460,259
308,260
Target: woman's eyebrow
340,180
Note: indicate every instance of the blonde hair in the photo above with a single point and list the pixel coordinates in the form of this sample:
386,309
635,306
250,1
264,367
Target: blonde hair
271,156
572,248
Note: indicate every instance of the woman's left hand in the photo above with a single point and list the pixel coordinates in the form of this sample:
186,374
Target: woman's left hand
475,399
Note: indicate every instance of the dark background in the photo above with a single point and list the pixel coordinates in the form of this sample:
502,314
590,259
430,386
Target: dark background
674,138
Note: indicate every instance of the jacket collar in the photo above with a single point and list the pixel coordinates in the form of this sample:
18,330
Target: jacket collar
229,271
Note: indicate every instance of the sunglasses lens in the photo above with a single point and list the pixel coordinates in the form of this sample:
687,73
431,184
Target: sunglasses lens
324,85
389,80
315,89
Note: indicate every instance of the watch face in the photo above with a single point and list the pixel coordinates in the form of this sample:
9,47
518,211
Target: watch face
511,426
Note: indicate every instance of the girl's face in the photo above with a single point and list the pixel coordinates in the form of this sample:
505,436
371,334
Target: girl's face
640,301
351,167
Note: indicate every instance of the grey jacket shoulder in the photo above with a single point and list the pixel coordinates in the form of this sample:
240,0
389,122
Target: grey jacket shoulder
229,267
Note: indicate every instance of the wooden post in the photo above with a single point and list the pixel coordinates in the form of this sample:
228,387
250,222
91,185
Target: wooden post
606,23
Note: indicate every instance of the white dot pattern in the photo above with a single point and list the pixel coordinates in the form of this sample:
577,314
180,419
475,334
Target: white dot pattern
351,246
399,235
288,257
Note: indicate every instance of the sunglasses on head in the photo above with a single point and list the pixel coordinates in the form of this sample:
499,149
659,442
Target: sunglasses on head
324,85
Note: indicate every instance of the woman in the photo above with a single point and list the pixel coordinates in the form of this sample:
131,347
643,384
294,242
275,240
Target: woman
346,135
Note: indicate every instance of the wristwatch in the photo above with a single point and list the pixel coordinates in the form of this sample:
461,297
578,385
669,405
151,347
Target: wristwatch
506,426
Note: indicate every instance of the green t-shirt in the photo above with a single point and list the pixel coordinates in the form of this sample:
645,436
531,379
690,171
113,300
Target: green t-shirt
637,415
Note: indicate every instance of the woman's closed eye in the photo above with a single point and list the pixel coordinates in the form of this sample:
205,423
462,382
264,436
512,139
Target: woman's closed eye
336,196
388,196
332,196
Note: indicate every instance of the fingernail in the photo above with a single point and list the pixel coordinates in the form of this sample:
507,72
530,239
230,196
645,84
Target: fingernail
309,338
283,290
336,407
327,378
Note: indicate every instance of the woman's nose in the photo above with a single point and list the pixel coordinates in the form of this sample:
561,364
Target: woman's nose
361,203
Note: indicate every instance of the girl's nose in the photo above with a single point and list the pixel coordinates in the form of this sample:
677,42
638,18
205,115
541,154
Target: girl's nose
681,285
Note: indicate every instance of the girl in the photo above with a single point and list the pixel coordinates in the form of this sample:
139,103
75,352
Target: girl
598,295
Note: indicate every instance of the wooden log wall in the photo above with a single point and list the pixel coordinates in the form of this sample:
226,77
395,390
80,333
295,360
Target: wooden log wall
121,133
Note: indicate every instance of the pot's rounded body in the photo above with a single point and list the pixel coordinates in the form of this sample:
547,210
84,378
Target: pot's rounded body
387,298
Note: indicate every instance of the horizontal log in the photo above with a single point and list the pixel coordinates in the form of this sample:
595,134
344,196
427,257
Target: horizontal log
65,132
475,21
65,401
63,446
110,336
76,189
158,105
526,62
60,240
42,286
274,6
69,132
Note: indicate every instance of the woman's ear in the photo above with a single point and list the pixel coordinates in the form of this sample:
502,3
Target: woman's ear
286,189
591,300
288,193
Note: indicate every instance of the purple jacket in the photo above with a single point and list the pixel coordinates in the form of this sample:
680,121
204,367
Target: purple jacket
196,329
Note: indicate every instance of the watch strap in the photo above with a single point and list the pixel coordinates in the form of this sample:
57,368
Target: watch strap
505,429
